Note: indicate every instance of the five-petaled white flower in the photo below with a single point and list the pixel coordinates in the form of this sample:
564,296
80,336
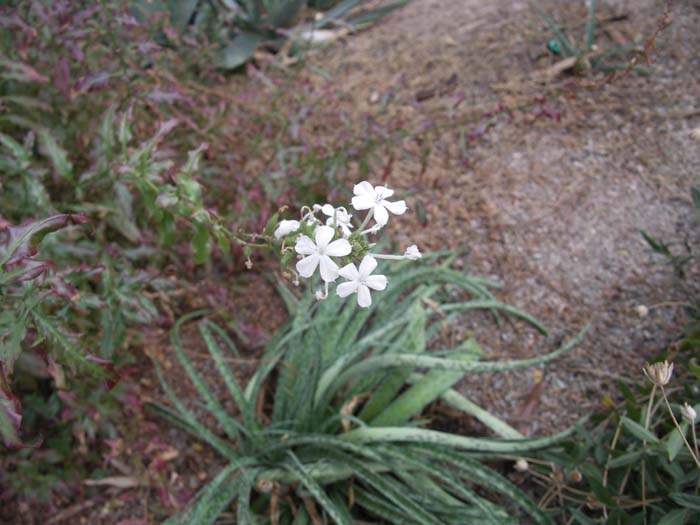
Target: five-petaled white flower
338,217
360,281
319,253
369,197
285,228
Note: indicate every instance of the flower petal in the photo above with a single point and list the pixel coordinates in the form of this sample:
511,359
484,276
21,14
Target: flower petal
349,272
363,202
329,270
345,289
364,299
363,188
339,248
383,192
367,266
376,282
307,266
328,209
305,246
397,208
323,235
285,228
381,215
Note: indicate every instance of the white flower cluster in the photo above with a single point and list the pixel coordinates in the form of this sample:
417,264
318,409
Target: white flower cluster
317,244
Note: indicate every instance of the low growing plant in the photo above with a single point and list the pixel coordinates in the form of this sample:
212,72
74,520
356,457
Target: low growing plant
640,462
239,28
329,428
586,56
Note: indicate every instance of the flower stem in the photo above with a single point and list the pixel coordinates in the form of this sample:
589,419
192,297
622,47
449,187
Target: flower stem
644,445
368,217
675,422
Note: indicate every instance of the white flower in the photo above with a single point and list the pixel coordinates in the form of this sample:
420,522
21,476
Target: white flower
689,412
361,281
338,217
412,253
285,228
368,197
320,253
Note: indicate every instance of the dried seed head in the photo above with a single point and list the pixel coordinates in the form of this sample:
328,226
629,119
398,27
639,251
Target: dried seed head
265,486
659,373
575,476
695,134
689,412
521,465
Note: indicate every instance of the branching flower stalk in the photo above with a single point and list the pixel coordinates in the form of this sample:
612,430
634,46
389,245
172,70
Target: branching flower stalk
320,244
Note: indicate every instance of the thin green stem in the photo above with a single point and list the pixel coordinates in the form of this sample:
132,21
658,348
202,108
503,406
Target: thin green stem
644,444
368,217
675,422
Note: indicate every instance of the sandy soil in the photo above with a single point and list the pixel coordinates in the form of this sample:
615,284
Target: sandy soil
549,209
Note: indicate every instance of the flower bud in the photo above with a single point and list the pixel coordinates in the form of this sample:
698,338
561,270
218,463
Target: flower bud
521,465
285,228
689,412
412,253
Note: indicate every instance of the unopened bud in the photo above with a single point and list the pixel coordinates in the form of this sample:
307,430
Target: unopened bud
521,465
689,412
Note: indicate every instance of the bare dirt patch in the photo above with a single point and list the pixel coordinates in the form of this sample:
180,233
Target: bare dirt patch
551,209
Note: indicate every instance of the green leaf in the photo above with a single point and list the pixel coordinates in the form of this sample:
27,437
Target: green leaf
626,459
227,422
658,246
283,12
395,379
412,402
419,435
316,491
375,14
269,228
56,154
675,517
240,50
674,441
580,517
458,401
200,244
695,194
213,498
569,49
689,501
244,513
181,12
694,367
590,25
422,361
638,430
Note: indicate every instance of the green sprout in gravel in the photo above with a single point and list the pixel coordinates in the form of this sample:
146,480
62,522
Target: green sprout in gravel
587,57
